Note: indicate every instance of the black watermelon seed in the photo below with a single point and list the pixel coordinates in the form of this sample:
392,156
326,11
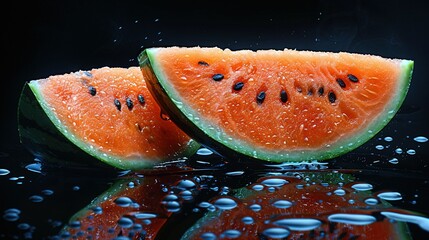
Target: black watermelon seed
218,77
117,104
88,74
202,63
341,83
352,78
331,96
129,103
283,96
260,98
141,99
321,91
238,86
92,90
310,92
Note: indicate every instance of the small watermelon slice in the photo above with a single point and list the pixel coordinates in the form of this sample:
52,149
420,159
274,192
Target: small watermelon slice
276,105
107,112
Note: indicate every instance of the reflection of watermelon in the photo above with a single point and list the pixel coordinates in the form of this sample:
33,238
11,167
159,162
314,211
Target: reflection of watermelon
290,208
276,105
108,113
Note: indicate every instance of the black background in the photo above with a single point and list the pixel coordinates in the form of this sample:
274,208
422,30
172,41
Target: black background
43,38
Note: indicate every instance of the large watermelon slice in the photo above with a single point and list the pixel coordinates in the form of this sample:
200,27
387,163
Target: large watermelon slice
276,105
107,112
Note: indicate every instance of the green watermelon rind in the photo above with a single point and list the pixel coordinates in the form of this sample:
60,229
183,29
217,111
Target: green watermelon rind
111,160
214,138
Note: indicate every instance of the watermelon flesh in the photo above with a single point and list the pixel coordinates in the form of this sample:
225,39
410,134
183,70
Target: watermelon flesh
110,114
276,105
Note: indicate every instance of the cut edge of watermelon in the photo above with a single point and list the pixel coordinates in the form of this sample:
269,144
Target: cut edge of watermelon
112,160
218,139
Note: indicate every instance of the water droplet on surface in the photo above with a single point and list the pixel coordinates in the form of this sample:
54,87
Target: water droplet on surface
170,197
371,201
225,203
420,139
47,192
340,192
76,188
362,187
423,222
390,196
231,233
282,204
258,187
172,206
255,207
208,236
23,226
36,198
123,201
204,204
398,150
125,222
34,167
204,152
11,216
379,147
144,215
247,220
411,152
235,173
354,219
74,224
388,139
276,232
299,224
186,195
4,172
186,184
274,182
394,161
97,210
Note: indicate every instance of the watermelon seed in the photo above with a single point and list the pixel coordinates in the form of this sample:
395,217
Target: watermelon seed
341,83
310,92
117,104
217,77
141,99
202,63
92,90
88,74
353,78
283,96
238,86
260,98
332,98
130,103
321,91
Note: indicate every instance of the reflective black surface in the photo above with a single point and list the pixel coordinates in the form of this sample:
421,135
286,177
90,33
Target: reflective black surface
46,38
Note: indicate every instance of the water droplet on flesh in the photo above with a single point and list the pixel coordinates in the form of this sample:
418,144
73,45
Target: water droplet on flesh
340,192
354,219
225,203
258,187
390,196
231,233
123,201
362,187
255,207
299,224
371,201
186,184
282,204
247,220
125,222
276,232
274,182
144,215
208,236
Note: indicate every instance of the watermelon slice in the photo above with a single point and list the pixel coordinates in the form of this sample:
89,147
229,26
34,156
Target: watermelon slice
276,105
107,113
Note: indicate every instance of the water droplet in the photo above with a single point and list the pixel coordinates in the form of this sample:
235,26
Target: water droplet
186,195
258,187
4,172
74,224
274,182
208,236
125,222
47,192
97,210
11,217
423,222
398,150
36,198
282,204
23,226
76,188
340,192
204,152
123,201
247,220
204,204
299,224
131,184
411,151
13,210
231,233
394,161
390,196
235,173
354,219
371,201
144,215
379,147
388,139
172,206
420,139
255,207
186,184
170,197
34,167
362,187
225,203
276,232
